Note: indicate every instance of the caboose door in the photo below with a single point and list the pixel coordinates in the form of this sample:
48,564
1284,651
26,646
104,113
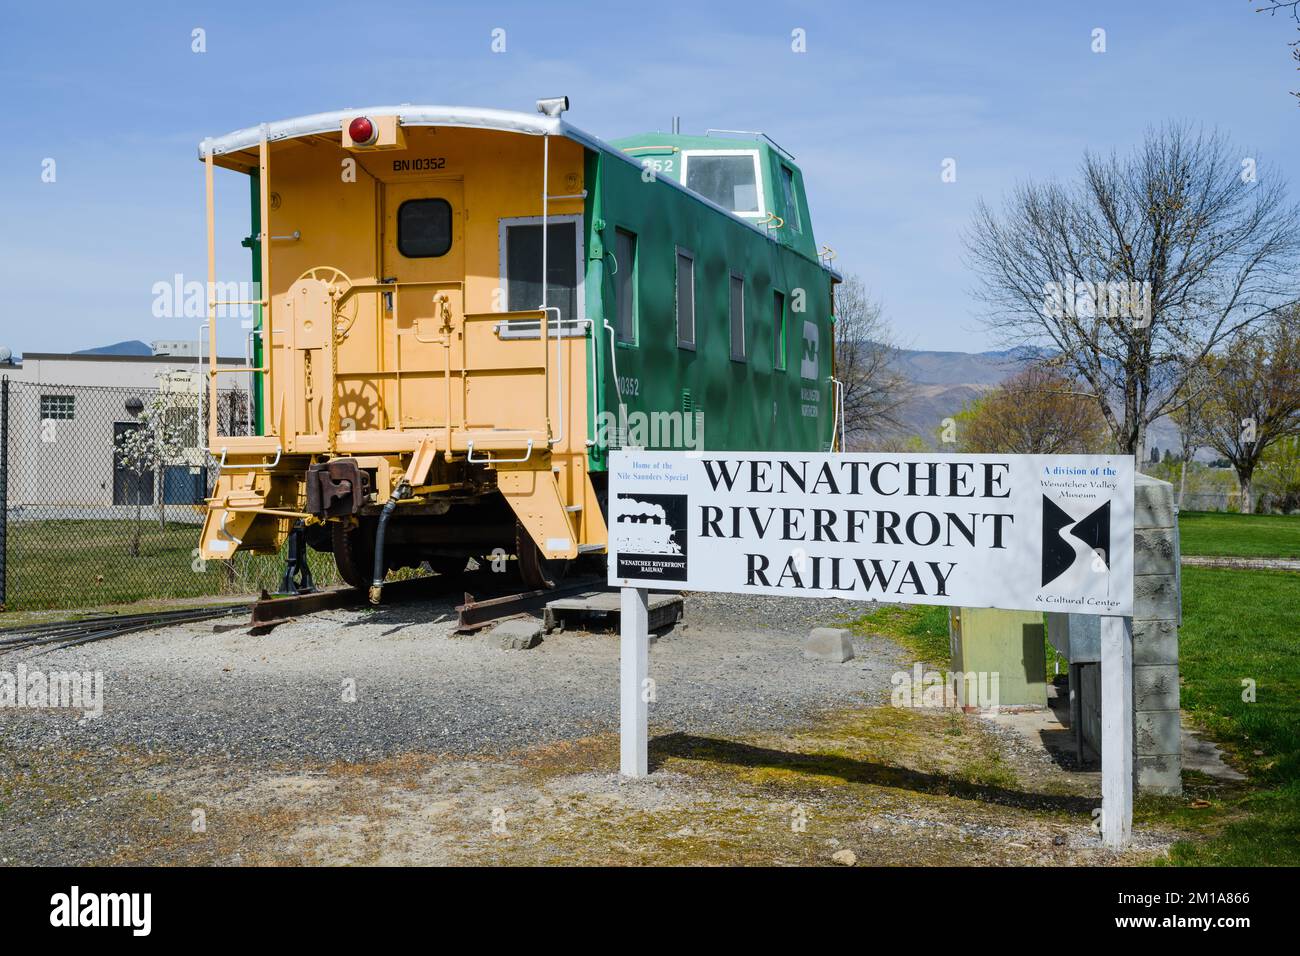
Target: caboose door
424,259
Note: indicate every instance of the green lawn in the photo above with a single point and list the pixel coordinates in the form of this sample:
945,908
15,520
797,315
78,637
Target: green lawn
1245,625
1223,534
1237,625
88,563
921,628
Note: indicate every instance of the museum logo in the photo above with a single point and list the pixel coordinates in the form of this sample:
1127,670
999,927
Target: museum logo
1092,534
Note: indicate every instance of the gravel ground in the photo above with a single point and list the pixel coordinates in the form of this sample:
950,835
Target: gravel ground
217,747
736,664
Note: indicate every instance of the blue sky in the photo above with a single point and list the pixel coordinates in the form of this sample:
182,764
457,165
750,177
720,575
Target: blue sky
884,94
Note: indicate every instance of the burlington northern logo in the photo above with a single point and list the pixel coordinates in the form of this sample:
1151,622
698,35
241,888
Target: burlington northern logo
1058,554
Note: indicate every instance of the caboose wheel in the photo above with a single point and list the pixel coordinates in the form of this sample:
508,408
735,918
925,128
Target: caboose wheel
354,552
536,571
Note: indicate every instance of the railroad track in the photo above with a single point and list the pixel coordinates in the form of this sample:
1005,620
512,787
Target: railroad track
477,613
492,603
473,613
60,634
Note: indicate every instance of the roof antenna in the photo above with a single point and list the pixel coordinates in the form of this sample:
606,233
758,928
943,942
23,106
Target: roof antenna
677,125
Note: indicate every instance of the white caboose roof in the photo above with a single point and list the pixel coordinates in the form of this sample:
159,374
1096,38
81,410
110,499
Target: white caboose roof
473,117
510,121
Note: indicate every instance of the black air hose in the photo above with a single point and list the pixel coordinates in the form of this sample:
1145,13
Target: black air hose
403,490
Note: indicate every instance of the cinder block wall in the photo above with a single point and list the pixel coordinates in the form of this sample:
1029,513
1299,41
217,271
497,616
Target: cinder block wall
1157,613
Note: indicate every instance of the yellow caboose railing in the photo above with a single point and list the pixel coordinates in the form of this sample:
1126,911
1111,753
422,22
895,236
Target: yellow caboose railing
246,445
272,443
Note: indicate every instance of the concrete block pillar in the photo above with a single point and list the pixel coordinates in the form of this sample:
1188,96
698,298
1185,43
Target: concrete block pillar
1157,614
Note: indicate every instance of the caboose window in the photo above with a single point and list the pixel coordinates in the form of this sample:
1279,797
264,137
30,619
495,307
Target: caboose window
685,300
737,310
522,253
778,331
728,177
625,285
791,199
424,228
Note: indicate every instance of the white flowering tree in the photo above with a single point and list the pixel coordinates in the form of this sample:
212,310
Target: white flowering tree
159,439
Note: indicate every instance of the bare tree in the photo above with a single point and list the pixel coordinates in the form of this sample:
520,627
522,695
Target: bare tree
1138,271
1037,411
872,388
1292,8
1255,399
1189,416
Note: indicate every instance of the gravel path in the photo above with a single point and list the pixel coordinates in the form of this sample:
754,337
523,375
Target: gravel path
1243,564
736,664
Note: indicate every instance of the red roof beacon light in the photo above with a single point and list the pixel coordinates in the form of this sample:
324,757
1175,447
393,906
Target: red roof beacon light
362,131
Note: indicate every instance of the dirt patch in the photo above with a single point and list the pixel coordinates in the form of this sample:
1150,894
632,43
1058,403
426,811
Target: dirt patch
894,786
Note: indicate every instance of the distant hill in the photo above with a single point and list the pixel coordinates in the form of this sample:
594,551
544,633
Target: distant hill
944,381
132,347
962,368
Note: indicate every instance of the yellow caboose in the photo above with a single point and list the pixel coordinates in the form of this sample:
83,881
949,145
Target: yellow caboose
428,377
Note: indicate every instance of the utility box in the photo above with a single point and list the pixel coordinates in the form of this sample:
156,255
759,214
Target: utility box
999,650
1076,637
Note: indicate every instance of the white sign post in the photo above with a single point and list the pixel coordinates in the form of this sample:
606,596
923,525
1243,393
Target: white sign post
1019,532
1116,730
634,670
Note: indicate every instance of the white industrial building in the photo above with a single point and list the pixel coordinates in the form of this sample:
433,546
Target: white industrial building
66,413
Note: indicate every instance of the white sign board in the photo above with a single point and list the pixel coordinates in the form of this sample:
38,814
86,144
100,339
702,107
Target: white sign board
1021,532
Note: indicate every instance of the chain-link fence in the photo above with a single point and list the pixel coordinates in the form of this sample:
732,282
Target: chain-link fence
1212,501
102,497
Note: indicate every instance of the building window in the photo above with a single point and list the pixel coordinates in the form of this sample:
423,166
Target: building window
791,199
778,331
737,311
625,284
522,256
728,177
59,408
685,300
424,228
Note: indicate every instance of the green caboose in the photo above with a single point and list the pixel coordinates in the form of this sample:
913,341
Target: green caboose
717,301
